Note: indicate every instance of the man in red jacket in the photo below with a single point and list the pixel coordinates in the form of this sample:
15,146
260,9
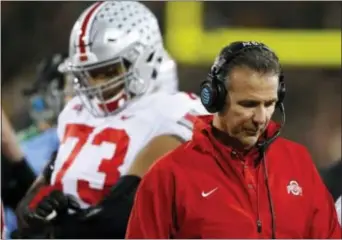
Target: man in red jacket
236,178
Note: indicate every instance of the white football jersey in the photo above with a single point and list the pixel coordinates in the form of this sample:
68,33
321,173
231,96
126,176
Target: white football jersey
95,152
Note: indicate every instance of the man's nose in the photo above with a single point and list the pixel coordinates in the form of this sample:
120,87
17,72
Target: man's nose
259,115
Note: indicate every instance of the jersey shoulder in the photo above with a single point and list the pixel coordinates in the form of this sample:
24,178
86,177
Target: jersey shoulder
171,114
73,108
71,113
174,106
178,112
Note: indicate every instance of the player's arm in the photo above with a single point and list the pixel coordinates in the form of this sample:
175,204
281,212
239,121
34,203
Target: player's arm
36,192
154,150
34,208
16,178
16,174
9,145
109,218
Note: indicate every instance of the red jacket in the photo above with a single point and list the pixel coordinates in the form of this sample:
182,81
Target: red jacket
205,189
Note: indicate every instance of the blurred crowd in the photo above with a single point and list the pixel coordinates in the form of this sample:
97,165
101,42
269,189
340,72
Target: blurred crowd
34,30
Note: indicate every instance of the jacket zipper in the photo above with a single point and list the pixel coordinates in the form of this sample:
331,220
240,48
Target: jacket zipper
259,226
258,221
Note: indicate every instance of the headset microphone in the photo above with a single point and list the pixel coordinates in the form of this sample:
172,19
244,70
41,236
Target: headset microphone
264,145
262,148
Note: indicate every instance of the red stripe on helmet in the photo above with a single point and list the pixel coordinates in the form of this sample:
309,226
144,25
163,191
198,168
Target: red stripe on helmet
84,26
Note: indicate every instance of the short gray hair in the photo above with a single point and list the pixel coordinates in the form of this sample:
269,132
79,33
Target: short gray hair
259,59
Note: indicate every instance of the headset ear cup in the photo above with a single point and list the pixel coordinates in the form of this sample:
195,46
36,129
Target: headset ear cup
221,96
208,96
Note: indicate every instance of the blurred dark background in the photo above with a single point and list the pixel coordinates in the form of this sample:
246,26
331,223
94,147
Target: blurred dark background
33,30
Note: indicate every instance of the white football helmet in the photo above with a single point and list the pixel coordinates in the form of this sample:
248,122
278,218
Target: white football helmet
119,43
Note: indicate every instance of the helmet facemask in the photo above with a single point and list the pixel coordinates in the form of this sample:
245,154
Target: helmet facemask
106,88
114,32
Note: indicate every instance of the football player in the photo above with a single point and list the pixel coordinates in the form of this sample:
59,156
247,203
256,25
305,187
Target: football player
127,114
16,173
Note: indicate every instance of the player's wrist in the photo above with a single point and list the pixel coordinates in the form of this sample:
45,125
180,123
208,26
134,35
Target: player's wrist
22,171
12,151
125,187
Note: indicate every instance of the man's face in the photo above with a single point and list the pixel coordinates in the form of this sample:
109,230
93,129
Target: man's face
105,74
250,104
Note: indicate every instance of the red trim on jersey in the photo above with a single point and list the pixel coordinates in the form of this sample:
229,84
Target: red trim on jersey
77,107
190,117
84,26
191,95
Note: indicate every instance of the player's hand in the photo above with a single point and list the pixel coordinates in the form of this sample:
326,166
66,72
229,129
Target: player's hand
52,207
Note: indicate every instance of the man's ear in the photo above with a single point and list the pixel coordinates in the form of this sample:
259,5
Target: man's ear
226,105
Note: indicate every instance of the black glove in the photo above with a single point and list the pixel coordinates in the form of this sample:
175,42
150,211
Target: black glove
108,219
16,179
30,234
52,208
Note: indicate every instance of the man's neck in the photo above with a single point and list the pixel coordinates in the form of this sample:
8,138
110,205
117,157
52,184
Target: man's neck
218,124
221,133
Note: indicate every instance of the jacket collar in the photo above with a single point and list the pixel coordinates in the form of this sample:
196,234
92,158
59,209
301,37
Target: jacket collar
205,138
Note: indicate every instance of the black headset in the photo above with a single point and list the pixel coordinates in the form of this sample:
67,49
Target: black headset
213,91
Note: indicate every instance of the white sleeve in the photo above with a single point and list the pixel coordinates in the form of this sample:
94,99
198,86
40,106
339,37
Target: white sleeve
65,116
179,115
338,204
60,126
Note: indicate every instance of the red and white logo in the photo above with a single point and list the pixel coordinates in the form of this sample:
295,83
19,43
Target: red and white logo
294,188
125,117
78,107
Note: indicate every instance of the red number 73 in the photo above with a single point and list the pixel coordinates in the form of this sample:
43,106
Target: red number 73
108,166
